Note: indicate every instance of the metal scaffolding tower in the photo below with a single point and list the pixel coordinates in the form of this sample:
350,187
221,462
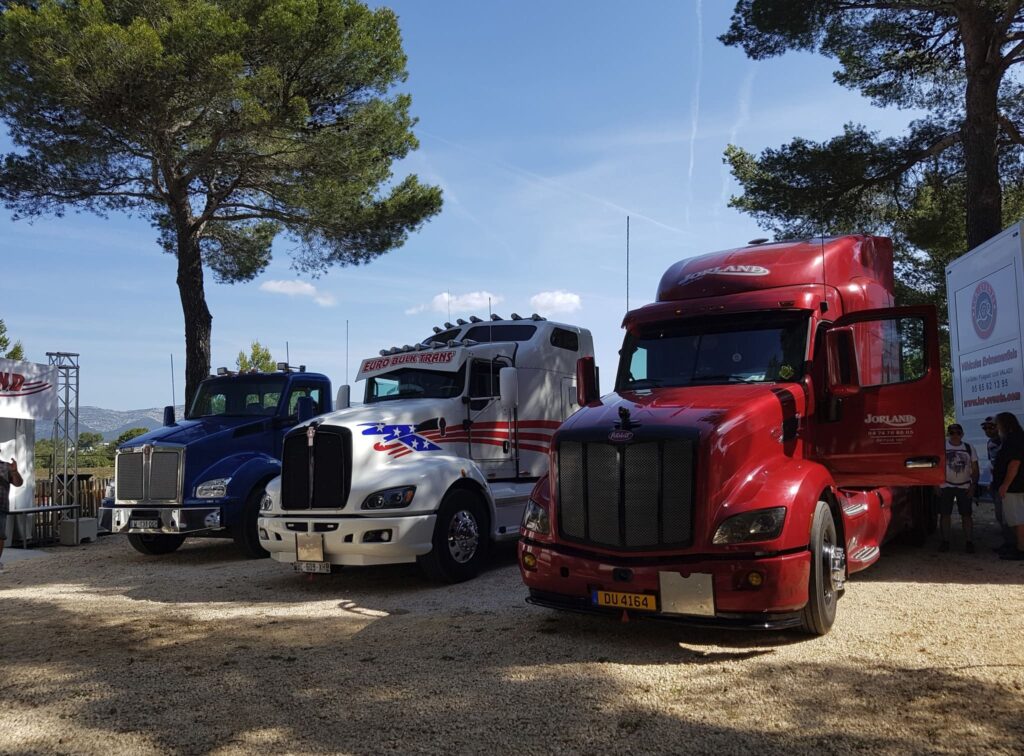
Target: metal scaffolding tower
64,470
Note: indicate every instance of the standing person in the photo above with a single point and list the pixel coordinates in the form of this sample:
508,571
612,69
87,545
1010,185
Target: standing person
961,477
1010,472
994,442
9,476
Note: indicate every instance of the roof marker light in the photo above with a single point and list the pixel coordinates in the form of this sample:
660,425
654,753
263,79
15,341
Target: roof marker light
448,325
438,329
495,316
460,321
222,371
516,316
475,319
535,316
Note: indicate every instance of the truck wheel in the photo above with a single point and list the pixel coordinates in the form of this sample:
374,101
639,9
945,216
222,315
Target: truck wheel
247,529
152,545
461,537
824,587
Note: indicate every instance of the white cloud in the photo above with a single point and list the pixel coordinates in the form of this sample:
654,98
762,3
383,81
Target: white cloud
555,301
473,302
299,289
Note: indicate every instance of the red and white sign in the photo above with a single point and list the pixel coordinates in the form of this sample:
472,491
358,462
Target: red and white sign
444,360
28,391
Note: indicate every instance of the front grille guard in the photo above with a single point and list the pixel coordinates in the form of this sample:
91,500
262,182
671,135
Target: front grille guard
149,475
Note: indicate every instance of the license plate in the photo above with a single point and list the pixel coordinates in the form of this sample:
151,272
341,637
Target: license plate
324,567
147,524
639,602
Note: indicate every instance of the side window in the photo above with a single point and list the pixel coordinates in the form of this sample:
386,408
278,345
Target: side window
890,351
483,382
314,392
564,339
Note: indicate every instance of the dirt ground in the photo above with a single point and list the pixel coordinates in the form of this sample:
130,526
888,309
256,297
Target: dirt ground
103,650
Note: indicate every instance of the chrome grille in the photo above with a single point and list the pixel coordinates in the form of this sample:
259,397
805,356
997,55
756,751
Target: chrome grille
163,475
636,496
152,476
128,477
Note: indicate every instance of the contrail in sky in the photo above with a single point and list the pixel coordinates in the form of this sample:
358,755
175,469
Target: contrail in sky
529,175
742,116
695,108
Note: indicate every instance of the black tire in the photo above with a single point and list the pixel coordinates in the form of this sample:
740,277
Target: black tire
154,545
822,593
247,530
461,539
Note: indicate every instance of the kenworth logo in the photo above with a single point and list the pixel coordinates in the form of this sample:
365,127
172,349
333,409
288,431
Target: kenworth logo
896,421
725,270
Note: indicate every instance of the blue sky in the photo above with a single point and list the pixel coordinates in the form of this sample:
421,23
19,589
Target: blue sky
546,124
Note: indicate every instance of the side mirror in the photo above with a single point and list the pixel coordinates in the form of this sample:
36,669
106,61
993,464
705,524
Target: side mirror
587,389
305,408
169,414
344,400
508,382
841,356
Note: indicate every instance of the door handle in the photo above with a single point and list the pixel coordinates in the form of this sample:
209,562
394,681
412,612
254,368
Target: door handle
921,463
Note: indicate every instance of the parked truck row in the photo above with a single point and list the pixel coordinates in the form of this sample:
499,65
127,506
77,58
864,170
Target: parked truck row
774,420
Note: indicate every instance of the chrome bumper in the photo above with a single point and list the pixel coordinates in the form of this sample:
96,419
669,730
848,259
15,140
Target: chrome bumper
174,520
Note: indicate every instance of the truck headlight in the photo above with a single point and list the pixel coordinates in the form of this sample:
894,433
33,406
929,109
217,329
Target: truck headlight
390,498
535,518
213,489
759,525
266,503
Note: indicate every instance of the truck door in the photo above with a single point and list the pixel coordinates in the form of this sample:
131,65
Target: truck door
490,429
880,422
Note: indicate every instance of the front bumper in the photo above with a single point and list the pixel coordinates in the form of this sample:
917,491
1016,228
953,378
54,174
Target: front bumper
566,578
344,539
171,520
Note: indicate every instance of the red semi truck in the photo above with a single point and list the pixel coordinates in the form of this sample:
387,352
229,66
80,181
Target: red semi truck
774,420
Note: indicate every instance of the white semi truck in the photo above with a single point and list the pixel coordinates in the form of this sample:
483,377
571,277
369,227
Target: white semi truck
984,288
440,458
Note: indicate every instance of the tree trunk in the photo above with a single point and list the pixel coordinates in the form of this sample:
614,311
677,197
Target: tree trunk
198,321
981,128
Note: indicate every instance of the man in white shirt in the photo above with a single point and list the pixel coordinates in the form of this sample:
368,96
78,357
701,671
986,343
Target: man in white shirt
958,490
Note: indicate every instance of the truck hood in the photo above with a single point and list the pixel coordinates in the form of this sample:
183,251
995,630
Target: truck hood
739,430
186,432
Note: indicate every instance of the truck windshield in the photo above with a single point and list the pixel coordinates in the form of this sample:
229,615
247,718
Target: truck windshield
237,396
410,383
726,349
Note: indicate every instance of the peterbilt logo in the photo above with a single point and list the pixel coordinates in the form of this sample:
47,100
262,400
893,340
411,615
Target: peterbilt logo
620,436
725,270
895,421
983,310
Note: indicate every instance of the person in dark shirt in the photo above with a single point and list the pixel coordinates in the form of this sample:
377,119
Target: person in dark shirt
1008,476
9,476
988,426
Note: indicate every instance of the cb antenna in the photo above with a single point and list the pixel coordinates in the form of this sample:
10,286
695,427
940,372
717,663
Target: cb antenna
627,263
346,349
174,402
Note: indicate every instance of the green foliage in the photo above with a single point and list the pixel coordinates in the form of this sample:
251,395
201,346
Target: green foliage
11,352
259,358
128,435
88,442
225,122
909,55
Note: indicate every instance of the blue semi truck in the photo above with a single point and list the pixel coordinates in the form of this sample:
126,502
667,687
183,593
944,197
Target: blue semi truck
204,476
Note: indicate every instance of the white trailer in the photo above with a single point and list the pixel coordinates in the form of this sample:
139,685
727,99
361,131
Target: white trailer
440,458
984,288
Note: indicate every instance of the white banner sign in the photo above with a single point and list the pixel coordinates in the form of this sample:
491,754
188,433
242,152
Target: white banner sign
28,391
991,369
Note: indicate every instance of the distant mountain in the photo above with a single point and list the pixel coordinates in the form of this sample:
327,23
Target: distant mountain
112,423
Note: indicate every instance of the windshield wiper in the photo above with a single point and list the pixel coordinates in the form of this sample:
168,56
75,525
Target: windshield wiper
730,377
642,383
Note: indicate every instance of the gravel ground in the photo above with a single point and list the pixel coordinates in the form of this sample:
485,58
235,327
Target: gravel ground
103,650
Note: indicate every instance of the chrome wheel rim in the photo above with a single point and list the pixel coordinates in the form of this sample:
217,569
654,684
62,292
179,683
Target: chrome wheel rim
463,536
833,568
